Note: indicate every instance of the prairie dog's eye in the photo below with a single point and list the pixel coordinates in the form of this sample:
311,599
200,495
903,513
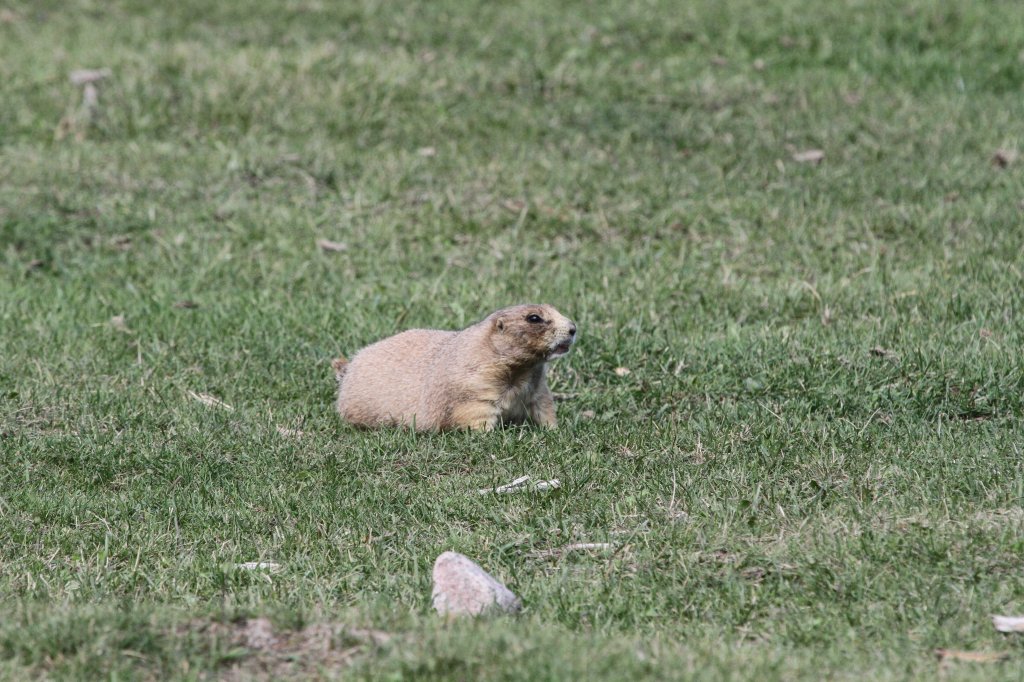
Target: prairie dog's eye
535,319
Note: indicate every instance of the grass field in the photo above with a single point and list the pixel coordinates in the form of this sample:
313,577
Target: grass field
813,469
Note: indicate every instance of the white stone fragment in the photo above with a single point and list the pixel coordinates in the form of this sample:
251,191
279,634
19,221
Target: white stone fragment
1008,623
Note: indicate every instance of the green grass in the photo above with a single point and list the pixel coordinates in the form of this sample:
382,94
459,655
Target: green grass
813,471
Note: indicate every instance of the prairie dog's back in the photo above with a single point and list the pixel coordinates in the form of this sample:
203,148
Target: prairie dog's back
385,379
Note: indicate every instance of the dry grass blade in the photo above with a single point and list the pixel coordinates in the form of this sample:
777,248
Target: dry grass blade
84,76
971,656
290,433
516,206
209,400
331,247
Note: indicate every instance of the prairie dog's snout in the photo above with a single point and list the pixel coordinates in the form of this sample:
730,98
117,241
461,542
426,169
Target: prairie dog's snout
565,336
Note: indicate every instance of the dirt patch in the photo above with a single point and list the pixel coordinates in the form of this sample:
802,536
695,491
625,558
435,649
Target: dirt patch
256,650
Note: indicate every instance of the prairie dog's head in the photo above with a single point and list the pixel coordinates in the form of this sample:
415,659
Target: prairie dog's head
532,332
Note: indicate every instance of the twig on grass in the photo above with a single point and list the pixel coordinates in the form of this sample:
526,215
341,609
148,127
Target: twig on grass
572,547
520,484
271,566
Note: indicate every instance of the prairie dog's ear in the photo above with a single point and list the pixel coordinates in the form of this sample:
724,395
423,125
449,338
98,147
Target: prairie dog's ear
499,323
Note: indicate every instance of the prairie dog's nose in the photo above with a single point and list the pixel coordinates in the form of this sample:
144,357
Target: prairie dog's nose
572,330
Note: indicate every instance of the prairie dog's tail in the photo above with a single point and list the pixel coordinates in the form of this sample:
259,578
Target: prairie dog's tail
340,365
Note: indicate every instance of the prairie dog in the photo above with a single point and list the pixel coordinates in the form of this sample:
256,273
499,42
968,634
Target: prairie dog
488,374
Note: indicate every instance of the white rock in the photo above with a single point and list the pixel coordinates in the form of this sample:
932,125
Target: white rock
461,587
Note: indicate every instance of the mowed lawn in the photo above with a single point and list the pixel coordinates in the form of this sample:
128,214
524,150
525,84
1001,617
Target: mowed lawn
793,414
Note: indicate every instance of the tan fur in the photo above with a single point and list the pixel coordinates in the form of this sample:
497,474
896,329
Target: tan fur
488,374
